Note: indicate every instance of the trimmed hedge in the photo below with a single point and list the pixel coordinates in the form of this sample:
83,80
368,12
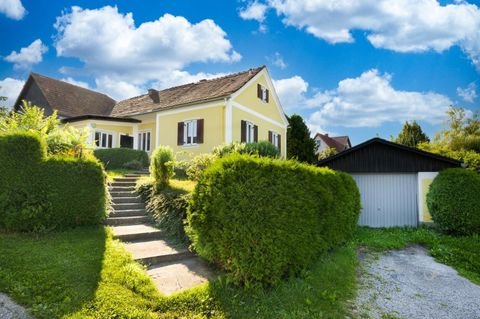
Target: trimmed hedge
262,219
454,201
117,158
40,194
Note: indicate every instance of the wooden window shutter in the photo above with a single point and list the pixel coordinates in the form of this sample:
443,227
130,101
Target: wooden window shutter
280,144
259,91
268,95
200,131
243,132
180,128
270,135
255,133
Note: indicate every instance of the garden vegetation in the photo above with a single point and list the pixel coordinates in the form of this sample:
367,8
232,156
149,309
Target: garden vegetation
122,158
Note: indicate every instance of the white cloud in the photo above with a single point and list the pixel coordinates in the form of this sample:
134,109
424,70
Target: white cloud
10,88
277,60
468,94
12,9
365,101
28,56
75,82
398,25
117,89
254,11
114,49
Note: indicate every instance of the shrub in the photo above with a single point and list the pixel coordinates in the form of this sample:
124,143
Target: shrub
135,164
261,219
262,148
39,193
116,158
162,166
454,201
226,149
198,164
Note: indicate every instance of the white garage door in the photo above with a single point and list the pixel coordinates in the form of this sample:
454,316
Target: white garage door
388,199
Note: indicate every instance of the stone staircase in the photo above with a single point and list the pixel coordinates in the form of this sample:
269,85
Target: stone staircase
173,268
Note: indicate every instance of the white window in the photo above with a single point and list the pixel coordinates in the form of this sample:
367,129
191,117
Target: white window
250,132
190,132
275,139
144,139
103,139
264,94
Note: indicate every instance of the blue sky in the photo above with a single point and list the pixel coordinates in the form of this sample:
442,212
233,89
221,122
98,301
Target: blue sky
357,68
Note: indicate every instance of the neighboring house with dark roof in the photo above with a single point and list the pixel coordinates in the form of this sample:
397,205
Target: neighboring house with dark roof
194,117
340,143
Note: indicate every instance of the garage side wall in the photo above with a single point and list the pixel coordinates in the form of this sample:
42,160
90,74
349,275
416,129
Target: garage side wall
424,181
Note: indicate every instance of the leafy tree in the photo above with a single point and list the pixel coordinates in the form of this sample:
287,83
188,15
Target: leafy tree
300,145
411,135
329,151
3,109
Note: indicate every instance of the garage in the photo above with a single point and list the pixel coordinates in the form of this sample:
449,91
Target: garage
393,180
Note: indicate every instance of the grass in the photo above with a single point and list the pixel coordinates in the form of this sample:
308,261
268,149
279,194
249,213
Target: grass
84,273
112,173
462,253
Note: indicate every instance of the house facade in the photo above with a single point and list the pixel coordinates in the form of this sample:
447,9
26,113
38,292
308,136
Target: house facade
191,118
340,143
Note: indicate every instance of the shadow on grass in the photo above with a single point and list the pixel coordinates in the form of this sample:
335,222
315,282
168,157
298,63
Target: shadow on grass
52,274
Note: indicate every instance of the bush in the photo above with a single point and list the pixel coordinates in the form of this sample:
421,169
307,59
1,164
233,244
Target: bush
454,201
39,193
262,148
116,158
162,166
226,149
135,165
262,219
198,164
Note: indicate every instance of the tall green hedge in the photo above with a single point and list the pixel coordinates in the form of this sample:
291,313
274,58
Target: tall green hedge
115,158
262,219
454,201
39,193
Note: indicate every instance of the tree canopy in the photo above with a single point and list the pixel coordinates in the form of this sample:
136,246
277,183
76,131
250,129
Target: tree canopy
411,135
301,146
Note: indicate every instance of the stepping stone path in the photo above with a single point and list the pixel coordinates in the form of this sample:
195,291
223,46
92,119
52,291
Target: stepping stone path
172,268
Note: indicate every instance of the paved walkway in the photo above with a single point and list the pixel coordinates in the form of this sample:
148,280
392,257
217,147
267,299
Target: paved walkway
172,268
10,310
410,284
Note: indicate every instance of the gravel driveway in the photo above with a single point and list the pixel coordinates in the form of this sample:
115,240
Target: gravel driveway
10,310
410,284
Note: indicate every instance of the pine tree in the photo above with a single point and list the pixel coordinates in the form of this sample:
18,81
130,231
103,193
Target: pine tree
411,135
300,145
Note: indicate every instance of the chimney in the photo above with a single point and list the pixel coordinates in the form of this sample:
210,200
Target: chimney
154,95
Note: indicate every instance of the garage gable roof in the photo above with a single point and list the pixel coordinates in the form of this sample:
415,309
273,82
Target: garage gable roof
378,155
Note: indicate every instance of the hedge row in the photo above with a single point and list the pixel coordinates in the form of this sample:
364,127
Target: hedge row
117,158
454,201
262,219
39,194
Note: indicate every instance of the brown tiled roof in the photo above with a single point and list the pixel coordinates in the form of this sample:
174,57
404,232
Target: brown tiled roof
71,100
340,143
203,90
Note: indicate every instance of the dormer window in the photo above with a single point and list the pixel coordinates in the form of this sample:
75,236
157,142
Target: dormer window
262,93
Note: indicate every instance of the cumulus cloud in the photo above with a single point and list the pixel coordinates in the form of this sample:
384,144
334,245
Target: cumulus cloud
398,25
469,93
75,82
255,11
368,100
28,56
12,9
114,49
10,88
117,89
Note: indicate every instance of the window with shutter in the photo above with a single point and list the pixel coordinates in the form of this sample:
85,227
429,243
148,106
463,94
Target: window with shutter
275,139
193,132
249,132
262,93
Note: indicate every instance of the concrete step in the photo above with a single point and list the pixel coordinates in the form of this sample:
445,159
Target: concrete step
157,251
113,189
127,220
129,213
123,184
125,179
123,194
133,175
127,206
171,277
136,233
127,200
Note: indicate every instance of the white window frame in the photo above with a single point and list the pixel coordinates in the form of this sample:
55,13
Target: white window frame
190,132
101,139
264,90
249,132
144,136
275,140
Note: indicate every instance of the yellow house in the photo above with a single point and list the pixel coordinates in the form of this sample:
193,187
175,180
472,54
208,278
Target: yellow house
195,117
